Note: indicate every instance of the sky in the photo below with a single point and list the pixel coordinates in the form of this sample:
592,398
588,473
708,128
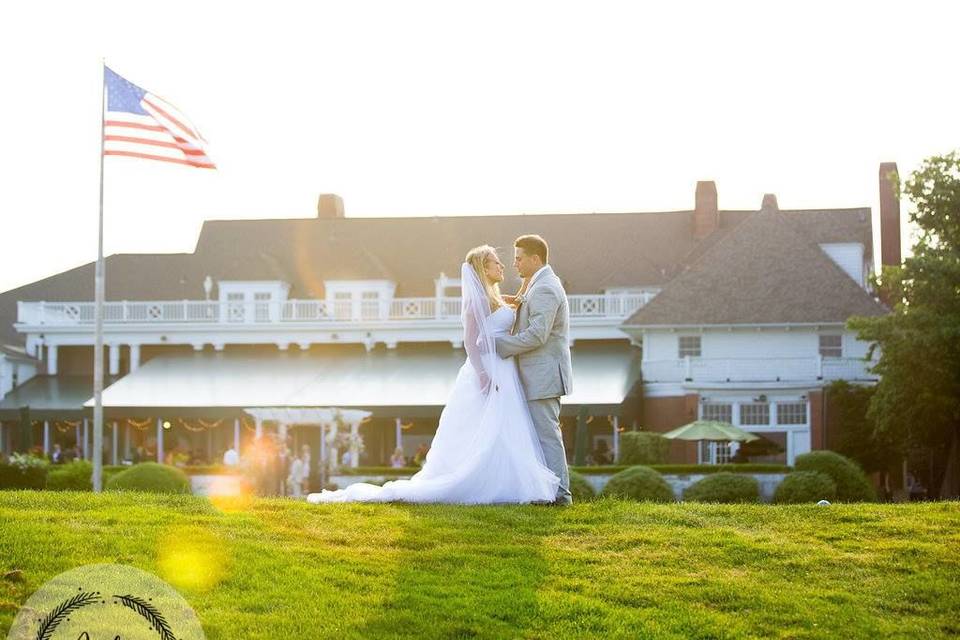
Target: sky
460,108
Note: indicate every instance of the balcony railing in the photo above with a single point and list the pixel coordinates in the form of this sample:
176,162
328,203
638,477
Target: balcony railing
66,314
769,369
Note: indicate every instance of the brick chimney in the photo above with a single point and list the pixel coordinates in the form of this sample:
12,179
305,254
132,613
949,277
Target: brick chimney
705,215
330,205
889,215
769,204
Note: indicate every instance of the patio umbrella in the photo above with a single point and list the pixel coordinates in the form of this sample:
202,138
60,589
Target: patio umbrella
710,430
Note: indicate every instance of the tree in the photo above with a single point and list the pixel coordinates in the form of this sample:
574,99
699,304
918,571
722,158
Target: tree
917,400
856,436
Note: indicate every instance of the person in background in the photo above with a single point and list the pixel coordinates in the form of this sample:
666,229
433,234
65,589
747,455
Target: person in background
296,476
421,454
231,458
397,460
56,457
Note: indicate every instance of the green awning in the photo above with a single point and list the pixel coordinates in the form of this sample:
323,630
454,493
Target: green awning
411,380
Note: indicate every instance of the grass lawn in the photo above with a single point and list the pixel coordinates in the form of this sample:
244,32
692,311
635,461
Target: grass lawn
274,568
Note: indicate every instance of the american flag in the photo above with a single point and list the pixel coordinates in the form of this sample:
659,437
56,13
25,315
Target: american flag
139,124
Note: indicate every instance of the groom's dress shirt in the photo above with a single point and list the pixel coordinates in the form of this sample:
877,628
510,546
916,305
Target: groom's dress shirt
516,319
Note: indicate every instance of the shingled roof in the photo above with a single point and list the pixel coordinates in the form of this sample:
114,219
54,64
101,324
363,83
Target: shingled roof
770,270
590,252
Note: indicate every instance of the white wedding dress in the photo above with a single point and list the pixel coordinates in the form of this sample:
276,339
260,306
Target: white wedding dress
485,449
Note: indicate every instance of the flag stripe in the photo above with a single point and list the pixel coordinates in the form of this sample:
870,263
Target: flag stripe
187,130
133,125
159,143
134,154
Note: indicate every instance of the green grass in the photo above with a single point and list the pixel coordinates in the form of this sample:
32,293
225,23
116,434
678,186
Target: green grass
600,569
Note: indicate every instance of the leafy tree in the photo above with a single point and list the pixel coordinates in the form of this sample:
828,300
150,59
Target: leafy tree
917,400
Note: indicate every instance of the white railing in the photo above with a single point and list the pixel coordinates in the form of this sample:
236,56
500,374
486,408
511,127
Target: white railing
769,369
66,314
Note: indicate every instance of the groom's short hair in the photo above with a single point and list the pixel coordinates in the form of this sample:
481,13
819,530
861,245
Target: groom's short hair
533,245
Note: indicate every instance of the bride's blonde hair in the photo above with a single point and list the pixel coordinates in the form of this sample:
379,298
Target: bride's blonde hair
477,258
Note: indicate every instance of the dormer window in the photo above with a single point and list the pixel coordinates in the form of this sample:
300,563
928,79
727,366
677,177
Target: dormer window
252,300
359,299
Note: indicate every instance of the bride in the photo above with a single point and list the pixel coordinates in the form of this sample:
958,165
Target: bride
485,449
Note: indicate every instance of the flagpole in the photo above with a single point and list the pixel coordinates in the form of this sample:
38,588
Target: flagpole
98,314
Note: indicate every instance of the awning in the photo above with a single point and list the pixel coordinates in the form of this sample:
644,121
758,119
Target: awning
50,397
412,380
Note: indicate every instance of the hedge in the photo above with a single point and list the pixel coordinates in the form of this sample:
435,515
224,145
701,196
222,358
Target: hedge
727,488
639,483
643,447
151,477
581,490
804,487
852,483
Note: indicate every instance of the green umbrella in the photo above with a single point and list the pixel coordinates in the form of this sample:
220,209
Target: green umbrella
710,430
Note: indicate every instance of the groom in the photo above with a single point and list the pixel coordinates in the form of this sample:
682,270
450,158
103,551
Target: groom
540,340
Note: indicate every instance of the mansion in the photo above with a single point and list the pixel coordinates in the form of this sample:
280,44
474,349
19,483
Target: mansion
736,315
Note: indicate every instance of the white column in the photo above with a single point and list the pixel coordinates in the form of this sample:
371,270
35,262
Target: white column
259,431
616,439
134,357
236,436
334,451
52,359
114,454
126,441
46,437
86,438
76,434
399,434
323,446
160,440
114,359
354,446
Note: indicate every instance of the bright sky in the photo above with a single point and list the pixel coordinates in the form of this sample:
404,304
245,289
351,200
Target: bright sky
456,108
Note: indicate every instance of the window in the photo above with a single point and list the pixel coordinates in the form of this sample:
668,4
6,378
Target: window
235,307
370,305
791,413
771,448
689,346
717,411
831,346
715,452
262,306
755,413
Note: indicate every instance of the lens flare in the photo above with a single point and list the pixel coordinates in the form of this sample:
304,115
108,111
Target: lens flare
192,558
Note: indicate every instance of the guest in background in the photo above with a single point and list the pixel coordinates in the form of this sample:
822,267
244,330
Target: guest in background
56,456
397,460
305,456
231,458
421,454
296,476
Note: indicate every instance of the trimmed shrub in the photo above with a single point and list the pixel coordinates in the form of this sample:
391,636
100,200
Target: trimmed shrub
805,486
581,489
639,483
852,484
728,488
643,447
23,472
151,477
74,476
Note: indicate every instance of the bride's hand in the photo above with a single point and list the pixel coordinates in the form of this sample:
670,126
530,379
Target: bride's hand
510,300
